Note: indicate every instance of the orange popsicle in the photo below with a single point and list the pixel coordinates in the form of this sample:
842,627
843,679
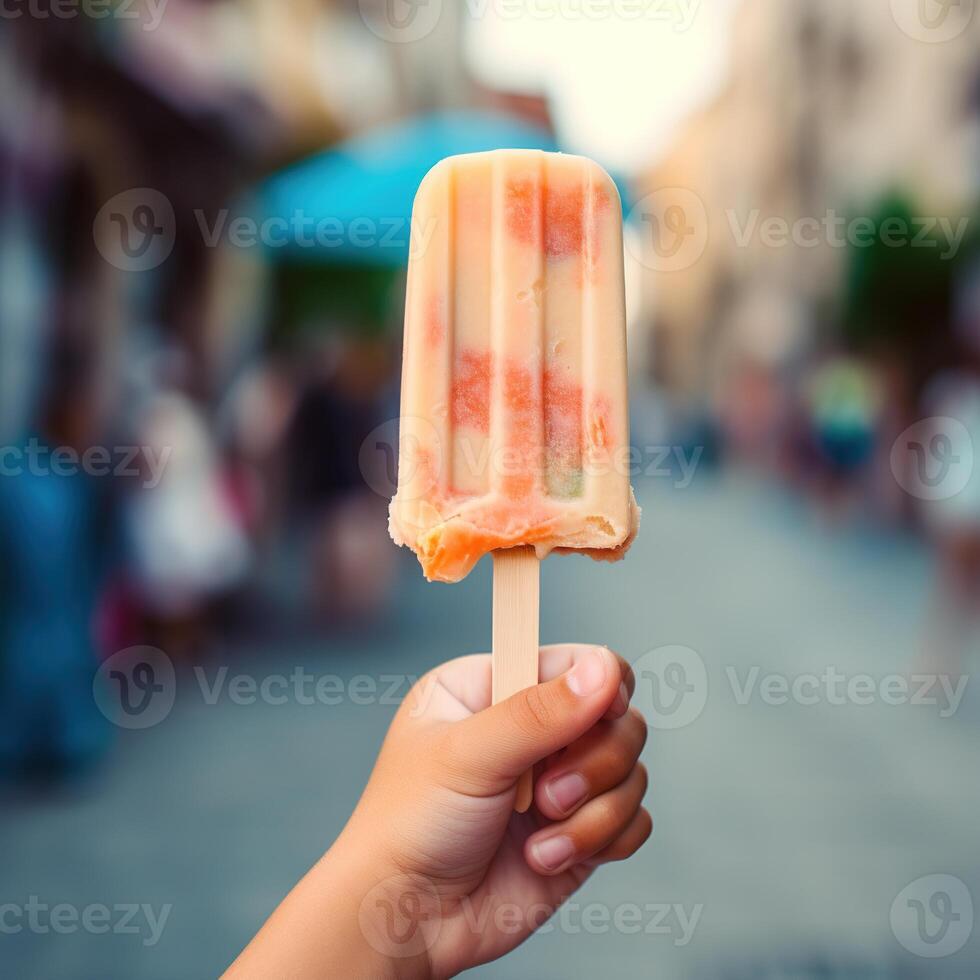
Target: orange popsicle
515,425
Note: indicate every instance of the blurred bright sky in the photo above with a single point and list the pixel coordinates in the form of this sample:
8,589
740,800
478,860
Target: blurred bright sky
620,84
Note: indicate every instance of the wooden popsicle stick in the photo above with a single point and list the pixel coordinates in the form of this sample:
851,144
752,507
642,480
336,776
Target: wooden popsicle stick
516,597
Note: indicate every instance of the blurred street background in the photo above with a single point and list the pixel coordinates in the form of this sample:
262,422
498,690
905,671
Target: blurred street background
204,627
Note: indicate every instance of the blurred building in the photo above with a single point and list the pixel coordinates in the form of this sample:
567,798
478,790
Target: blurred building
829,108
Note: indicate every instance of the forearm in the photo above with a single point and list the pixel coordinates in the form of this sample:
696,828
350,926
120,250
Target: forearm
348,917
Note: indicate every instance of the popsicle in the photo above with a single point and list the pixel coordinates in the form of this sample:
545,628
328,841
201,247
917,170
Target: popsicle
514,422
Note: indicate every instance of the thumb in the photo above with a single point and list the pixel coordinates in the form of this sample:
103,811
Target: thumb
496,745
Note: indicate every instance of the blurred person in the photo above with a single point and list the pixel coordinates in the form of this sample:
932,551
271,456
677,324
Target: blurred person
252,427
951,436
843,405
184,526
749,410
56,540
435,873
762,333
341,519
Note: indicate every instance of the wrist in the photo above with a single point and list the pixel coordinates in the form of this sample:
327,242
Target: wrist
390,918
351,916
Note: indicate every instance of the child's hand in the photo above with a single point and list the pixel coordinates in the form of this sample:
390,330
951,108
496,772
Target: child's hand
435,873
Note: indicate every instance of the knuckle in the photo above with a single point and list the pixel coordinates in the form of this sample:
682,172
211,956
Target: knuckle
606,812
445,751
533,713
637,717
643,778
637,730
646,827
637,837
612,765
447,761
616,753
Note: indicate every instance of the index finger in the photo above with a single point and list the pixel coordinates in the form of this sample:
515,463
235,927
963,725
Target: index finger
469,680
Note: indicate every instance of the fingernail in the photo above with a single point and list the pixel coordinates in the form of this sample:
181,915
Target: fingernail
567,791
622,702
588,675
553,852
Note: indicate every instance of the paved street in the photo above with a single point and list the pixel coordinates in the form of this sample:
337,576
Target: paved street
784,832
